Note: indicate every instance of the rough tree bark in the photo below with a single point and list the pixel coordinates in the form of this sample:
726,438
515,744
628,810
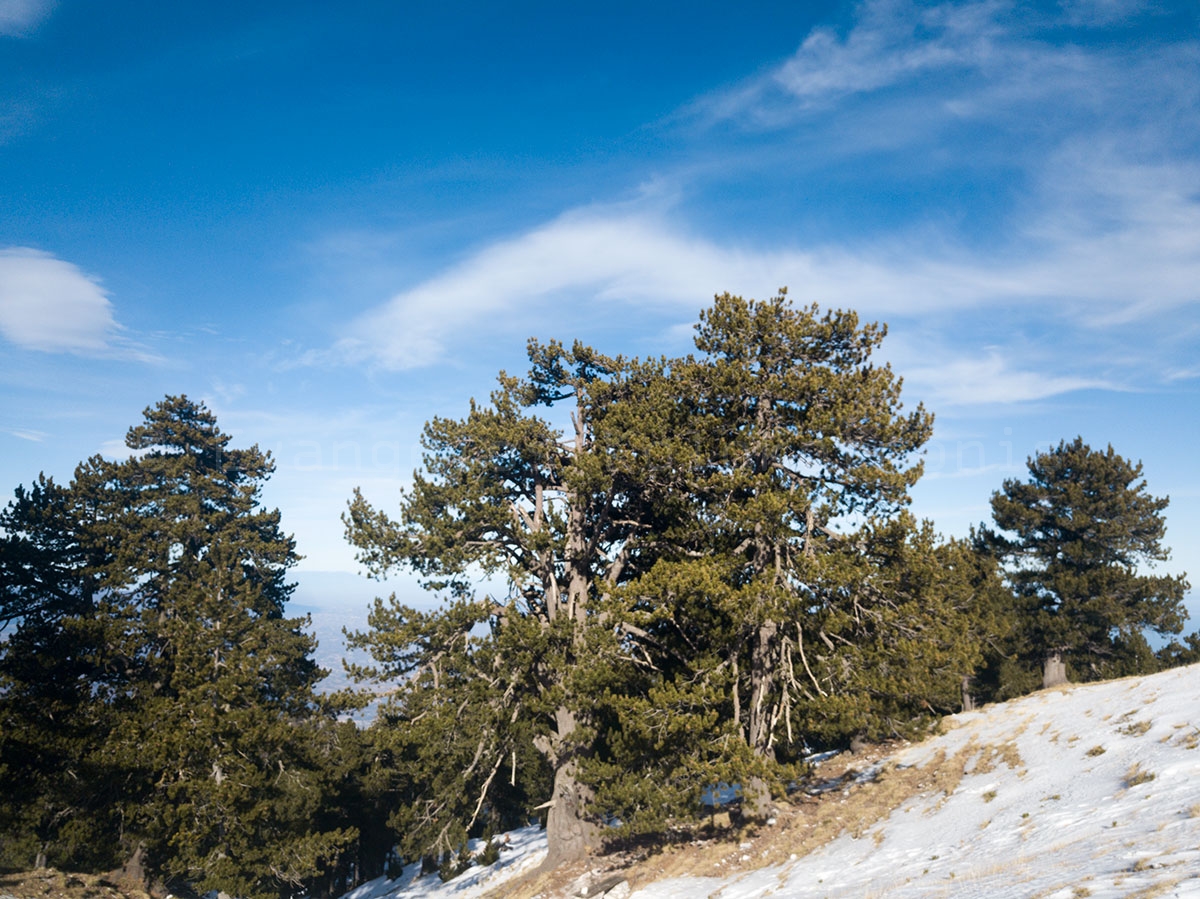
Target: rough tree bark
570,832
968,701
1054,672
756,795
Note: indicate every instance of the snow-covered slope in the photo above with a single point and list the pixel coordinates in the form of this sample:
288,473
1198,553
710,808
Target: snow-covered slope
1069,818
1087,791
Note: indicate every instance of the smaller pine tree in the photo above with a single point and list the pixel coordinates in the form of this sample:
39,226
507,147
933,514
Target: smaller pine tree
1076,539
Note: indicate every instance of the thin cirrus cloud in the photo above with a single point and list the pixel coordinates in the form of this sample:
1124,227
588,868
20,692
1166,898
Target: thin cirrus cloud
20,18
891,42
50,305
1101,12
1121,237
884,48
1098,268
625,261
972,62
618,257
989,379
607,257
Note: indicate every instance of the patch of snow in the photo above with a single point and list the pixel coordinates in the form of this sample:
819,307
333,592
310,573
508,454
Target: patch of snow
525,850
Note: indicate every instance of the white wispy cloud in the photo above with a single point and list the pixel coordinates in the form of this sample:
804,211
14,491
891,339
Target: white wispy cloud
51,305
24,434
623,257
892,41
919,68
987,379
1103,231
19,18
1108,243
1102,12
1125,236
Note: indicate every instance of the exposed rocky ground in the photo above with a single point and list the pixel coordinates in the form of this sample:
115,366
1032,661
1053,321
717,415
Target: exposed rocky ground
51,884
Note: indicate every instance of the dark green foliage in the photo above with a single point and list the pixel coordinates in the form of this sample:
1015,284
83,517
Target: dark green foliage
807,439
1176,653
911,627
488,855
797,604
40,557
185,696
1074,538
567,519
1004,671
452,731
57,806
453,864
563,518
708,570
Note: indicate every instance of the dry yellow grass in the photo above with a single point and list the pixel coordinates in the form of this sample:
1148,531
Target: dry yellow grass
48,883
1155,889
802,825
991,756
1138,775
1189,740
1134,729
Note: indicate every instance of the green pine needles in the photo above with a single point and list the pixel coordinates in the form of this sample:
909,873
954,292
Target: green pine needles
1077,538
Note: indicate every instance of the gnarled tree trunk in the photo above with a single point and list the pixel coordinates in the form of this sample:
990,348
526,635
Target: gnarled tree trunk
569,832
968,701
756,795
1054,672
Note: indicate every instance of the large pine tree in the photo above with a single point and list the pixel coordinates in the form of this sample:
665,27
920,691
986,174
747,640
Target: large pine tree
707,566
57,807
799,605
559,514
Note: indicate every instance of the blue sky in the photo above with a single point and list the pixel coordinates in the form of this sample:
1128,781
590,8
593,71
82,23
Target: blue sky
332,222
